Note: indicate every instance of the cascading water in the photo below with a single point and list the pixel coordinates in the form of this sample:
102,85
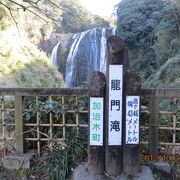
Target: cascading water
88,53
54,54
103,53
114,31
70,65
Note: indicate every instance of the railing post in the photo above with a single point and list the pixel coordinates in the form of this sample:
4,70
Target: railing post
154,125
113,112
19,124
131,124
96,157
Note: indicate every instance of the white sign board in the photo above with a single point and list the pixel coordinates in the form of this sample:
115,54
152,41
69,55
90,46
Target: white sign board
96,121
132,119
115,104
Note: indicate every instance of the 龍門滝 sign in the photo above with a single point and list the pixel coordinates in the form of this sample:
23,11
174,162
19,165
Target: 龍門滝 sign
96,121
132,119
115,104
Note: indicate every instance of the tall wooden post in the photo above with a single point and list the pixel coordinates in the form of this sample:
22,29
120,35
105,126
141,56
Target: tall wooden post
154,123
113,154
19,124
132,86
97,90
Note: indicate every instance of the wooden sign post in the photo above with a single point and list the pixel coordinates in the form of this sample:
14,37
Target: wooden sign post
96,123
113,112
115,105
132,85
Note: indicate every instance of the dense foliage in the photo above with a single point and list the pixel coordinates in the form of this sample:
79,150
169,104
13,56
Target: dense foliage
23,65
67,154
151,29
24,25
64,15
81,19
60,163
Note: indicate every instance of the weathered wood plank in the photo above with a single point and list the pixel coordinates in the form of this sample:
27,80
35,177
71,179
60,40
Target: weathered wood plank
96,154
113,154
44,91
154,123
132,86
19,124
160,92
148,92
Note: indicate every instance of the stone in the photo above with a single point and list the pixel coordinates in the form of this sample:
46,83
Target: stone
16,162
145,174
24,178
162,167
81,173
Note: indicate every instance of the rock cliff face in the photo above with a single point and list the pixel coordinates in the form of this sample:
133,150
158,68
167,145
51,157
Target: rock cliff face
48,44
86,52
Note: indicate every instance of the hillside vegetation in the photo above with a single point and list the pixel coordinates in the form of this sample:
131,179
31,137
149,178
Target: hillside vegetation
151,30
23,65
23,25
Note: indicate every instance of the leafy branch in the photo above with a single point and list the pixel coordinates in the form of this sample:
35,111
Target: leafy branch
26,8
34,7
9,9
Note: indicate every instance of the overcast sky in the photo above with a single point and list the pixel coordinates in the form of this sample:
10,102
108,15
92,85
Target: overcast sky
100,7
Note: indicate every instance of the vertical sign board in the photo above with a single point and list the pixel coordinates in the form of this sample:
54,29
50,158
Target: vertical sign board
115,104
132,119
96,121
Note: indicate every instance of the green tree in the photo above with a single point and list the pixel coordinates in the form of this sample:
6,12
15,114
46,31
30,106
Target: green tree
137,23
168,35
65,15
167,48
86,20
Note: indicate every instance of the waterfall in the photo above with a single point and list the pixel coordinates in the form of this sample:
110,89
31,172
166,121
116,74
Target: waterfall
54,54
114,31
87,53
70,65
103,52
